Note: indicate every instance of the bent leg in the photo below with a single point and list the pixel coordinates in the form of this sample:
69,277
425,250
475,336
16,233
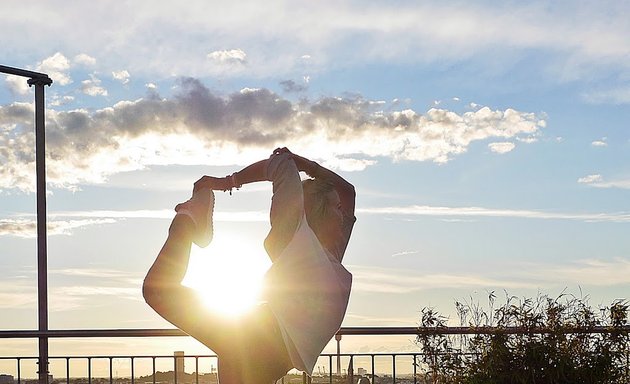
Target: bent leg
180,305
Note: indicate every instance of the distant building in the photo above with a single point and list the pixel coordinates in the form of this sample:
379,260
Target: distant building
6,379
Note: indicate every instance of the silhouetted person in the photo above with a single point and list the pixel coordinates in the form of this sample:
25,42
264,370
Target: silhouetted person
306,288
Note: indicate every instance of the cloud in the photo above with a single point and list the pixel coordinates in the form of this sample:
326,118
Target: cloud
405,253
64,223
122,76
240,216
84,59
92,87
18,85
198,127
423,210
290,86
58,100
615,96
397,281
583,37
600,143
349,164
56,67
501,147
228,57
17,293
598,181
81,286
590,179
28,228
595,272
522,275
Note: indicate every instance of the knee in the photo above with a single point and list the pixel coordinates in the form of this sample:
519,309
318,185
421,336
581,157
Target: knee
151,291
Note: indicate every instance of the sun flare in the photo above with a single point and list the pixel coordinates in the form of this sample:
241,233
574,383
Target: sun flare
228,274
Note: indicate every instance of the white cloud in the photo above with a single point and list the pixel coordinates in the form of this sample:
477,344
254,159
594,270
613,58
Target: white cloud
590,179
398,281
614,96
228,57
521,275
423,210
582,272
599,182
65,223
92,87
18,85
584,37
198,127
58,100
56,67
16,293
84,59
349,165
501,147
405,253
122,76
600,143
27,228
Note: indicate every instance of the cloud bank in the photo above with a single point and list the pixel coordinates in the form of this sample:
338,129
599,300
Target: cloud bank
580,38
592,272
198,127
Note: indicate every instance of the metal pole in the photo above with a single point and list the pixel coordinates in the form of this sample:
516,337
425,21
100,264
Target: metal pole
42,246
39,80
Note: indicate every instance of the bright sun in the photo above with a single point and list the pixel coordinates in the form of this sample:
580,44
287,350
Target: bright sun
228,273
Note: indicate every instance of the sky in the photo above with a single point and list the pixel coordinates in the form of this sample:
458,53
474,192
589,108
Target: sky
489,144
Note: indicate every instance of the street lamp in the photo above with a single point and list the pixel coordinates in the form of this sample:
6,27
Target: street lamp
39,80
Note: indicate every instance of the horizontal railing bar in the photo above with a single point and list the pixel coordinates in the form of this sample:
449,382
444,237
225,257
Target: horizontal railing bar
362,331
92,333
139,357
380,331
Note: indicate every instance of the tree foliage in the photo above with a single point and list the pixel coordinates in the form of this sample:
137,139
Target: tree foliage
556,343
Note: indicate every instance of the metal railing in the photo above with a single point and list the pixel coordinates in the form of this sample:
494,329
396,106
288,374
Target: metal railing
381,367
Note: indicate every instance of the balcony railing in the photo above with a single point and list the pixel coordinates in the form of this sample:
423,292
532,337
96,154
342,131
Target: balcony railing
331,368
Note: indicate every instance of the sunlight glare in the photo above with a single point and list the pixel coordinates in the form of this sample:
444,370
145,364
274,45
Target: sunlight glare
228,273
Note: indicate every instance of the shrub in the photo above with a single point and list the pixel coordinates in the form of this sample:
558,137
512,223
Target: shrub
555,343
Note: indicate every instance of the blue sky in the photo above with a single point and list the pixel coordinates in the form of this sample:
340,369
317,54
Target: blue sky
489,145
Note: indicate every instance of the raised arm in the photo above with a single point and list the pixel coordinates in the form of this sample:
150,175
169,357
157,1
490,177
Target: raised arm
338,243
346,191
287,203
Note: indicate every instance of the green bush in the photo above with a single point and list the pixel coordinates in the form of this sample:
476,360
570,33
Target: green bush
555,343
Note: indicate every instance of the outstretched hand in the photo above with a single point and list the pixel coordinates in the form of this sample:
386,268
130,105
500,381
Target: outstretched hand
302,163
214,183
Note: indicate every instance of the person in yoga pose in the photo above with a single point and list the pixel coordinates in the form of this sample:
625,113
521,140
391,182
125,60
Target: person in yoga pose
306,289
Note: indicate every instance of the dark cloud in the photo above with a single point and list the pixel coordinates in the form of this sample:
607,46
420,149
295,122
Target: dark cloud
87,146
290,86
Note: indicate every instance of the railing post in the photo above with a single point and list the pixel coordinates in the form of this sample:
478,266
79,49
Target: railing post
338,338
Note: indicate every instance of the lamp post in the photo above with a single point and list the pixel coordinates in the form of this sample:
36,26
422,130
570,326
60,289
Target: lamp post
39,80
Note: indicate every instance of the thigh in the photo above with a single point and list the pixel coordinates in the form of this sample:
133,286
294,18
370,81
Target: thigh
215,331
264,356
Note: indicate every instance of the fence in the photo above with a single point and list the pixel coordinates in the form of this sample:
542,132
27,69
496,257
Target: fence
378,368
